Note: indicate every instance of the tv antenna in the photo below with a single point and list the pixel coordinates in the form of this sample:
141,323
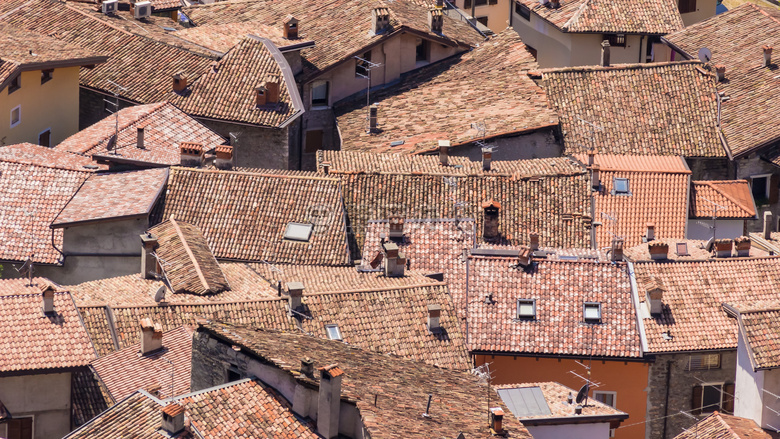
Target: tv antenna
363,70
172,375
592,129
485,376
27,269
715,208
452,185
112,141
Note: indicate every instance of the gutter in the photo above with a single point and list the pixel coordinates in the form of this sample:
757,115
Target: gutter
635,297
565,420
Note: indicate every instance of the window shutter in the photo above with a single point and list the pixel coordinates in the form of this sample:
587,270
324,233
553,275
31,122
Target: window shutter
696,399
728,398
774,187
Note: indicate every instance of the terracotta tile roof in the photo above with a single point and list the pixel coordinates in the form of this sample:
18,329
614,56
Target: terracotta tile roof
722,426
732,199
32,340
126,371
165,128
692,296
735,39
222,37
89,396
666,109
339,28
560,289
460,87
695,250
229,92
601,16
760,330
244,215
113,196
36,184
556,396
187,262
458,403
126,419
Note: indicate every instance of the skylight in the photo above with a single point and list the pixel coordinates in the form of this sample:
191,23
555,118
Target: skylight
592,312
334,333
621,186
682,249
298,232
526,308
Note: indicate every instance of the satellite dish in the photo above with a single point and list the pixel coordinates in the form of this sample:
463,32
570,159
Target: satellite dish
705,55
111,142
709,244
159,296
583,393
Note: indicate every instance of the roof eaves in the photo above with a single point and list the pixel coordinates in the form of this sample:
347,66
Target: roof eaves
76,62
639,318
289,79
734,313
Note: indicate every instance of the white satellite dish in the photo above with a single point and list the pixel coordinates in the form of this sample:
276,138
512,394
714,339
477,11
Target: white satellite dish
705,55
159,296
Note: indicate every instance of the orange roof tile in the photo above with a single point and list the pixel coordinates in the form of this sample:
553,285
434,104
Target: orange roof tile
556,396
722,426
727,199
760,328
222,37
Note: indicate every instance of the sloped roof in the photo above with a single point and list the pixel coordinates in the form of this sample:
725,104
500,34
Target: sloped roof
556,395
89,396
735,39
463,88
244,215
665,109
722,426
760,328
730,198
165,128
222,37
696,250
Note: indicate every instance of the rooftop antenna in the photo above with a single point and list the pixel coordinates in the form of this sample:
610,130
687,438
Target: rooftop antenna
485,376
366,66
715,208
27,269
582,394
592,128
112,141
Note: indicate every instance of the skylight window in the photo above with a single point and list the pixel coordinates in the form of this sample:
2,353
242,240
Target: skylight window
298,232
592,312
621,186
334,333
682,249
526,309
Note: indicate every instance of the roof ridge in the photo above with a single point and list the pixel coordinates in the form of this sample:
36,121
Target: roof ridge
379,289
576,16
616,67
61,167
254,174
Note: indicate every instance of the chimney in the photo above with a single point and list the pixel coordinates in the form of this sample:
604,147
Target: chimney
655,293
395,260
179,82
490,225
435,20
594,177
497,420
272,89
487,157
440,4
173,419
261,95
743,246
148,262
191,154
214,66
720,72
396,227
151,336
605,53
524,255
658,250
295,290
47,296
723,248
767,56
616,250
380,20
534,241
650,234
307,367
373,110
290,27
444,152
329,401
591,157
555,4
768,225
224,158
139,142
326,167
434,313
578,410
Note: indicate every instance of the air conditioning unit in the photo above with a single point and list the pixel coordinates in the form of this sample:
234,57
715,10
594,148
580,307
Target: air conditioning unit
110,6
143,9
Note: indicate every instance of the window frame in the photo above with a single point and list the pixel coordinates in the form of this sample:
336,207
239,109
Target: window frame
289,237
585,317
611,393
15,84
18,107
689,365
616,40
719,385
522,10
615,191
320,103
42,132
689,6
768,178
46,75
17,418
333,326
531,316
426,48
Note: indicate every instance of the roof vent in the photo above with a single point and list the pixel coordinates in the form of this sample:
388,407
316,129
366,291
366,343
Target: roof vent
179,82
295,290
139,142
173,419
380,20
605,53
767,56
720,72
434,313
224,159
658,250
491,209
191,154
151,336
47,295
290,27
616,250
435,20
723,248
497,420
444,152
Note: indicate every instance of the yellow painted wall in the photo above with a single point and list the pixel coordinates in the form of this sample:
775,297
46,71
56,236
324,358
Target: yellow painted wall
497,15
628,379
54,105
704,10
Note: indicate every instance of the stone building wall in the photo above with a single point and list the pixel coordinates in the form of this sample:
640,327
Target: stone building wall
92,107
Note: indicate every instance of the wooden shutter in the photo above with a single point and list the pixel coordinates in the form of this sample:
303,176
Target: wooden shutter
774,186
696,399
728,398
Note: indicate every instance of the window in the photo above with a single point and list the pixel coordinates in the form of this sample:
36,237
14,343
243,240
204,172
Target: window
16,116
319,94
333,332
361,65
467,4
20,428
15,84
759,185
44,138
686,6
46,75
523,11
703,362
422,50
313,141
682,249
532,51
298,232
616,40
592,312
708,397
605,397
621,187
526,309
233,374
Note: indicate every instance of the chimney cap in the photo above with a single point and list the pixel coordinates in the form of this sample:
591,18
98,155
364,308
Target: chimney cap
434,307
294,286
491,203
332,370
191,148
290,19
444,143
173,409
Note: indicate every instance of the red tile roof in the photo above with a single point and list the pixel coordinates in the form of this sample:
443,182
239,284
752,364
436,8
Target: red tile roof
165,128
665,109
113,196
722,426
728,199
735,39
127,371
556,396
461,87
760,328
222,37
31,340
609,16
89,396
696,250
560,289
692,296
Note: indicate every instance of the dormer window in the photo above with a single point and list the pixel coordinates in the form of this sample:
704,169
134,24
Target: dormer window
591,312
621,187
334,333
526,309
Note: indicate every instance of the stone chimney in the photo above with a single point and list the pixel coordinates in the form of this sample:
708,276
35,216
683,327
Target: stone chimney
490,224
723,248
191,154
224,159
654,295
307,367
658,250
272,85
173,419
720,72
151,336
380,20
768,225
444,152
47,298
435,20
179,82
395,260
139,140
595,178
650,234
767,56
616,250
605,53
396,227
290,27
261,95
434,313
497,421
148,261
487,157
373,114
534,241
295,290
743,246
329,401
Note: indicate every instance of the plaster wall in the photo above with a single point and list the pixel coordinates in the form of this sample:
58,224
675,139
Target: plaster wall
579,431
497,15
752,166
724,229
769,415
748,401
704,10
539,144
257,147
46,397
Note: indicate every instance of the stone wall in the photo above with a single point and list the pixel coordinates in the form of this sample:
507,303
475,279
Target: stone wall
211,362
92,107
711,169
256,147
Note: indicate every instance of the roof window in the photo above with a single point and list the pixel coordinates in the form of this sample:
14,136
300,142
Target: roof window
592,312
526,309
621,187
334,333
682,249
298,232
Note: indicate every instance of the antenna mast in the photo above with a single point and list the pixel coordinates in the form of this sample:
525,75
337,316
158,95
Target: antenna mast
117,89
366,66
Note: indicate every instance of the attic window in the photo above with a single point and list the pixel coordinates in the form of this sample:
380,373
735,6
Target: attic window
592,312
621,187
616,40
682,249
522,10
703,362
526,309
298,232
334,333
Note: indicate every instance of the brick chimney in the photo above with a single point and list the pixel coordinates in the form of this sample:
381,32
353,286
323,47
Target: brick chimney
767,56
373,114
173,419
591,157
191,154
272,85
139,142
487,157
224,159
616,250
605,53
720,72
329,401
723,248
650,234
434,313
307,367
151,336
444,152
179,82
435,20
768,225
261,95
148,261
534,241
47,298
295,290
491,209
380,20
395,260
290,27
658,250
595,178
743,246
497,421
654,296
396,227
524,255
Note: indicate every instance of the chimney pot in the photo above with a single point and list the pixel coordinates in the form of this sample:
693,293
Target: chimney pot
139,143
329,401
395,260
487,157
261,95
491,209
720,72
179,82
173,418
295,290
654,297
434,313
151,336
591,157
658,250
497,420
768,225
524,255
578,410
272,89
595,177
373,112
290,27
396,227
224,159
444,152
47,297
616,253
148,262
723,248
191,154
435,20
767,56
307,367
380,20
743,246
534,241
605,53
650,235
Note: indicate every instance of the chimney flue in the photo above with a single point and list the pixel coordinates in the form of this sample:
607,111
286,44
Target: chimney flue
329,401
743,246
380,20
767,56
139,143
395,260
444,152
491,209
173,419
555,4
261,95
434,313
591,157
373,112
768,226
47,297
191,154
224,159
326,167
148,261
650,234
151,336
595,180
605,53
307,367
290,27
616,250
497,420
295,290
723,248
654,297
435,20
487,158
720,72
534,241
179,82
272,89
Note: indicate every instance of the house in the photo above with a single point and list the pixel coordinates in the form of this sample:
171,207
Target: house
722,425
571,33
44,344
516,123
550,410
720,209
39,86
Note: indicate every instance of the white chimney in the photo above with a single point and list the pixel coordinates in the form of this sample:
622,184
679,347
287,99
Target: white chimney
616,250
224,159
148,261
139,143
767,56
151,336
605,53
173,419
47,297
768,225
395,260
380,20
295,290
487,157
434,313
444,152
329,401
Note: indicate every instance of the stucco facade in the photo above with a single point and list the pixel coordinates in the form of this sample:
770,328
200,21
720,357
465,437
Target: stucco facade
494,16
46,398
704,10
755,390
